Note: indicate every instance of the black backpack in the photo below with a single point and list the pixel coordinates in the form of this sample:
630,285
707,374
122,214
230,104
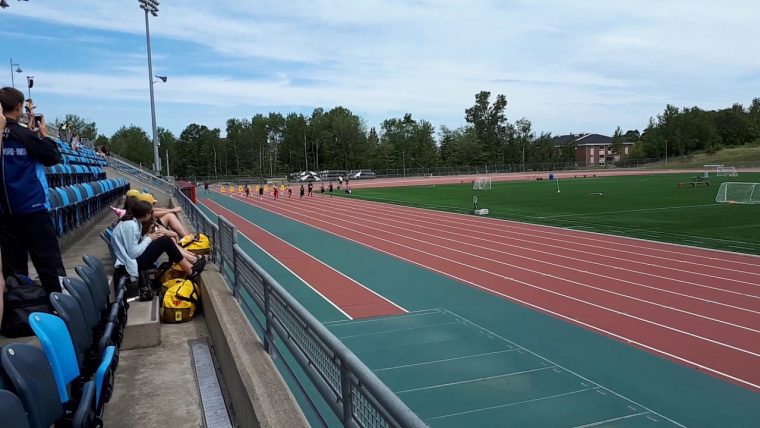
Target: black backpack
21,298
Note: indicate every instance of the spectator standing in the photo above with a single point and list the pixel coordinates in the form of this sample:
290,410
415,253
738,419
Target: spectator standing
26,228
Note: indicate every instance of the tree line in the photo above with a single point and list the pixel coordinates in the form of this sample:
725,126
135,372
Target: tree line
274,144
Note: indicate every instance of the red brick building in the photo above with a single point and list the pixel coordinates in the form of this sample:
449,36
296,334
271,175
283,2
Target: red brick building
593,149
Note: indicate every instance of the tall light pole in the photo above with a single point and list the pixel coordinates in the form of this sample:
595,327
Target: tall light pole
18,70
214,148
151,6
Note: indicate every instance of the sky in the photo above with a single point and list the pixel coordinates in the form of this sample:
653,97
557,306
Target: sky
568,66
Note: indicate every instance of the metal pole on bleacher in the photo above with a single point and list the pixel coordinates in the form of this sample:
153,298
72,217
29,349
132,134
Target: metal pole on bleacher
151,6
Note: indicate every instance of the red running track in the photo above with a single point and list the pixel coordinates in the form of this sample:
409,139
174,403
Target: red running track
515,176
695,306
351,298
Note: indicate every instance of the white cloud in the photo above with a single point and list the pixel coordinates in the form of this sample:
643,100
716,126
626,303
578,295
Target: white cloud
563,64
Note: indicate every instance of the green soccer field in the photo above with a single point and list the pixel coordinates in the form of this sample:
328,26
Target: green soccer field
649,207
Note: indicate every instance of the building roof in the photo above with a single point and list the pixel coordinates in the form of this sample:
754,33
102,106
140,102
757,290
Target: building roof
585,140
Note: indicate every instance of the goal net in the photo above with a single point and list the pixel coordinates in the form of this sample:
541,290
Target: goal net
727,171
738,193
482,183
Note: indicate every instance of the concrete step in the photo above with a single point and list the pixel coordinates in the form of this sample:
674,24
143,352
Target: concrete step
144,325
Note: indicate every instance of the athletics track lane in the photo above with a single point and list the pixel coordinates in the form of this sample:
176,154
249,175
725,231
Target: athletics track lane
679,327
348,296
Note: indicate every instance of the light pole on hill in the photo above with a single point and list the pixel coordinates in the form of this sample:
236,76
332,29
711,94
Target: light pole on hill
151,6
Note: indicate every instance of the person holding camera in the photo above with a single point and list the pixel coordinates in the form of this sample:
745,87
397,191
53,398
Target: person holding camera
26,228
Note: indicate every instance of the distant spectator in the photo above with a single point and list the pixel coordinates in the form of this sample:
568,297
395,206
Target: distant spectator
76,143
26,227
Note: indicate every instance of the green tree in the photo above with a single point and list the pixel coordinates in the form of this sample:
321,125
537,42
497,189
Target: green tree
490,124
134,144
77,126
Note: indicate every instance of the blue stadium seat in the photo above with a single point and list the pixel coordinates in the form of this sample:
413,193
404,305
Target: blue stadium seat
12,410
34,383
59,349
93,362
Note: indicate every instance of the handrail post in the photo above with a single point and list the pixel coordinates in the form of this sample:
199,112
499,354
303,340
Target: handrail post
236,280
345,393
267,316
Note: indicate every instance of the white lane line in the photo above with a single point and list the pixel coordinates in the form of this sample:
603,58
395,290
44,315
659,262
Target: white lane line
514,226
454,225
291,271
548,397
600,389
594,424
604,290
544,262
316,259
445,360
392,317
535,306
443,385
396,330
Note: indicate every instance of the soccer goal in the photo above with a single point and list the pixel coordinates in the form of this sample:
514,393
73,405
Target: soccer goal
738,193
482,183
727,171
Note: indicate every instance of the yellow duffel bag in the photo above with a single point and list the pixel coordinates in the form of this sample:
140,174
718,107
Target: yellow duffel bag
196,243
180,301
176,271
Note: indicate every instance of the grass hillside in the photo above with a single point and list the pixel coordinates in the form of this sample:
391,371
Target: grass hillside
745,156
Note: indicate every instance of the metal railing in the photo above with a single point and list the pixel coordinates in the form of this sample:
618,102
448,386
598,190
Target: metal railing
351,390
130,168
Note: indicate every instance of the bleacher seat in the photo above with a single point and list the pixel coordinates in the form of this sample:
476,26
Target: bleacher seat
58,344
33,381
12,410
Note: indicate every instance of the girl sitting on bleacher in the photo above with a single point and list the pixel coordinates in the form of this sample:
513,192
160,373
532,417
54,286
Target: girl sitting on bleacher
135,251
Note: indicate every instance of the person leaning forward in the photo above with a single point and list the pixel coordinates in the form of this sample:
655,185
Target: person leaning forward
26,228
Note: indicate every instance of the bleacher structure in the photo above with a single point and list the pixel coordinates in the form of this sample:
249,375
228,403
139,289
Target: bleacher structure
68,378
79,188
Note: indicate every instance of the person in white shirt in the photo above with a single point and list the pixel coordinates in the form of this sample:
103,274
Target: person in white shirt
135,252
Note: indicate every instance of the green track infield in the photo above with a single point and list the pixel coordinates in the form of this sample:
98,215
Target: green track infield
649,207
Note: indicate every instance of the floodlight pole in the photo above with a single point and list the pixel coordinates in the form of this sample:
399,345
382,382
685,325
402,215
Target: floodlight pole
153,9
13,80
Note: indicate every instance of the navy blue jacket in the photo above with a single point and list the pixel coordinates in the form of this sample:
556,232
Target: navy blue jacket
23,186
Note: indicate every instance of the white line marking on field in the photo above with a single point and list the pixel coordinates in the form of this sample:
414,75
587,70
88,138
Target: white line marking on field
396,330
443,385
386,318
548,397
291,272
541,308
611,420
316,259
446,360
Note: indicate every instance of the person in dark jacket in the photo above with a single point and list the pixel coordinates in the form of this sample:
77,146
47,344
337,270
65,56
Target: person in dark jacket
26,227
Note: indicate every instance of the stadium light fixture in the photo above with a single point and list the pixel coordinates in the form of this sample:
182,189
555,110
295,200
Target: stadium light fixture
151,6
4,4
18,70
161,78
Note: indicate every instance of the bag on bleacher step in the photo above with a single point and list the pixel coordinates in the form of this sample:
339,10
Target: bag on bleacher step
168,271
196,243
22,297
180,301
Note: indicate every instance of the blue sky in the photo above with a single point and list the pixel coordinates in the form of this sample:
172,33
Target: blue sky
568,66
